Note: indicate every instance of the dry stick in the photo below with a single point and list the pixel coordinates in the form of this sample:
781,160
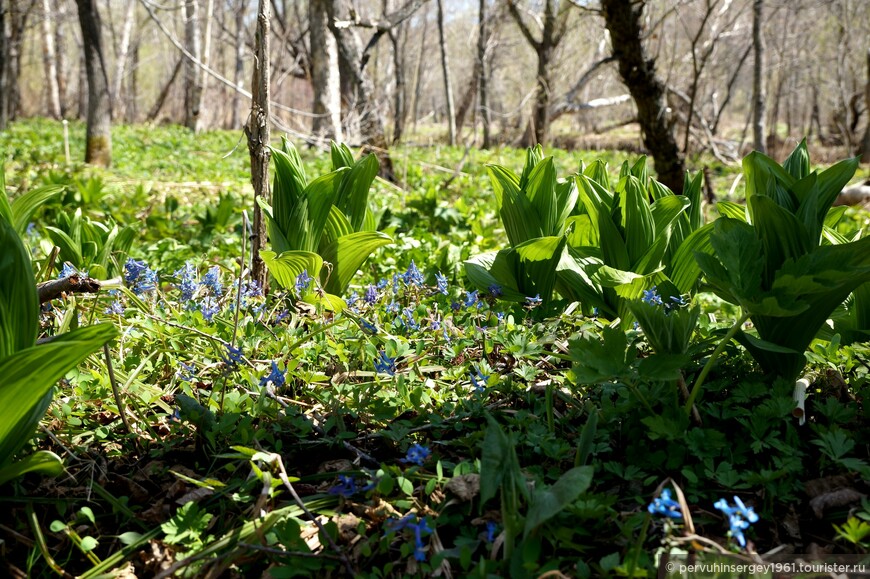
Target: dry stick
282,473
115,391
241,276
49,290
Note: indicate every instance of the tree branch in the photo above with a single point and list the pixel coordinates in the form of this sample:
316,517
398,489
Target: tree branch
52,289
515,13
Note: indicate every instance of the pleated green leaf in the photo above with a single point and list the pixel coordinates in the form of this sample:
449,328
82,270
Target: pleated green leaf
347,254
42,461
19,304
25,205
353,192
285,267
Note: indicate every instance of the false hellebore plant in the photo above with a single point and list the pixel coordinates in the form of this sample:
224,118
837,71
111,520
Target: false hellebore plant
586,242
774,259
326,219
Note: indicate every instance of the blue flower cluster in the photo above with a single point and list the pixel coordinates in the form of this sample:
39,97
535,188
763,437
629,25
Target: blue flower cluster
188,285
275,377
417,454
479,379
68,270
652,297
739,518
303,280
666,506
233,356
420,528
139,276
385,364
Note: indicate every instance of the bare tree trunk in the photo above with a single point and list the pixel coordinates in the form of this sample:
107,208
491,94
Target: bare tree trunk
192,76
164,92
448,89
121,59
61,65
418,76
132,112
4,65
98,149
483,81
865,142
325,80
371,121
201,120
257,131
399,95
48,62
19,12
638,74
240,61
758,97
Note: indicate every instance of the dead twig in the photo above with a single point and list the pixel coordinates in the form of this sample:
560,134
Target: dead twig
52,289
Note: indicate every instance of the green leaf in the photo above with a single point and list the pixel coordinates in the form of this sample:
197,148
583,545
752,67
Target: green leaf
499,466
494,268
548,502
637,220
289,264
732,210
347,254
684,270
353,192
666,210
42,461
19,304
782,235
25,205
798,162
541,193
5,208
70,249
29,374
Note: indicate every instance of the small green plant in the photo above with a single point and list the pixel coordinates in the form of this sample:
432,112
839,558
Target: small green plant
326,219
89,245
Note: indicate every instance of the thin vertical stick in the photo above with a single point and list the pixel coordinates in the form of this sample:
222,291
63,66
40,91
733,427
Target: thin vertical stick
117,393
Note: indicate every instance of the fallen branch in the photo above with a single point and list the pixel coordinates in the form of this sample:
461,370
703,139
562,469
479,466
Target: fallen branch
52,289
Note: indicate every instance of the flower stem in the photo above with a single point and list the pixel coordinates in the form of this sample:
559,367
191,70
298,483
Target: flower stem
696,388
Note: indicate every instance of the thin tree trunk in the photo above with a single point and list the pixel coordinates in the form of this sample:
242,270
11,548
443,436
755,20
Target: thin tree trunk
4,64
164,92
257,131
445,67
121,59
206,56
49,62
399,95
865,142
240,62
19,12
638,74
468,96
325,80
758,97
61,65
192,76
418,76
483,84
132,112
99,127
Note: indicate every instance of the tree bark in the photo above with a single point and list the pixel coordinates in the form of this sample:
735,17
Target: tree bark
240,61
865,142
257,132
371,121
98,149
49,62
164,92
399,93
418,76
445,68
201,120
758,97
121,59
638,73
61,65
192,76
325,80
4,64
483,79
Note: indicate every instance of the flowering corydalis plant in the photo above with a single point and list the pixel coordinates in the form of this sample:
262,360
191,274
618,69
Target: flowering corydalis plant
739,518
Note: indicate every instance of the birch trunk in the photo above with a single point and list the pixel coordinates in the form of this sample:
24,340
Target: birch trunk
758,97
49,62
325,80
192,76
121,59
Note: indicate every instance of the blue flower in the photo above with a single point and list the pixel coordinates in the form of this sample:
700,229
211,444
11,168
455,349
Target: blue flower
441,282
345,488
116,308
276,377
234,355
31,228
392,307
382,283
282,315
385,364
409,320
491,529
666,506
368,326
209,307
68,270
495,290
140,276
417,454
302,281
413,275
188,283
186,373
446,335
352,299
652,297
478,379
739,518
212,280
371,295
535,301
470,298
419,529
